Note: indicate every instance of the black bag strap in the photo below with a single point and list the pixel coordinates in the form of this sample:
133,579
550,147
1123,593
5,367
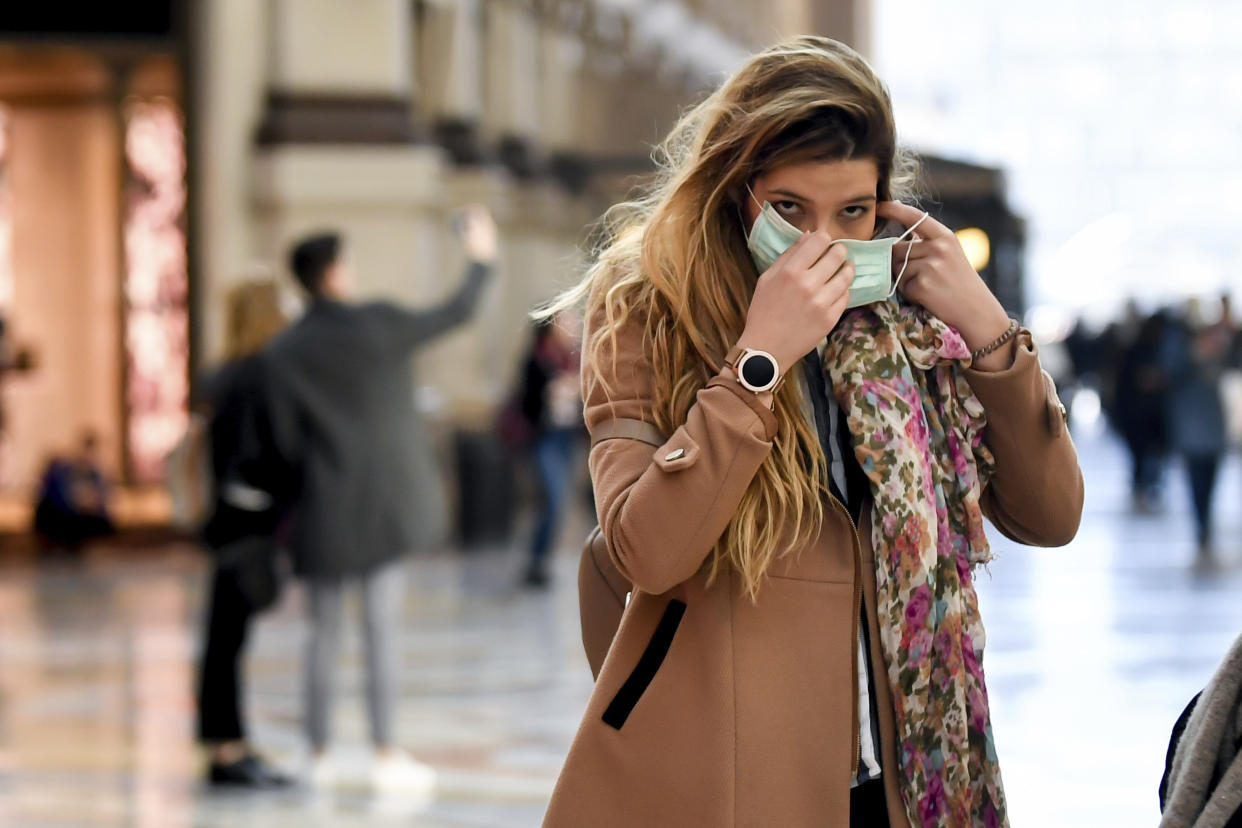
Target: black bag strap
625,428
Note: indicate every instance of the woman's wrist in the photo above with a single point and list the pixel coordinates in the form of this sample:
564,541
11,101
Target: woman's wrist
998,360
981,328
766,398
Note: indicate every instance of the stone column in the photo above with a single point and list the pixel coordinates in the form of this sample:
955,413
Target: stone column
230,65
511,94
561,71
561,58
351,49
339,73
338,147
449,73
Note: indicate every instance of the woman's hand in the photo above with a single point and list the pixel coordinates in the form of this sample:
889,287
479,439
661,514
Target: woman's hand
798,300
939,278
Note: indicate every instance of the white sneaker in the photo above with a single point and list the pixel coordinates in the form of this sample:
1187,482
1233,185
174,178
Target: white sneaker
399,773
322,772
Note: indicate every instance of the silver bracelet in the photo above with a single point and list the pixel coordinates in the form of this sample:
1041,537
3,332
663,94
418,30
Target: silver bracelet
1009,334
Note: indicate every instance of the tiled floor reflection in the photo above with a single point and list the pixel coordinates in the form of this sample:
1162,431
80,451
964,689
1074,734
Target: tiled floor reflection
1093,650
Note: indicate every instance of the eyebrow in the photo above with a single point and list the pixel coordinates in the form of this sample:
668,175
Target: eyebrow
798,197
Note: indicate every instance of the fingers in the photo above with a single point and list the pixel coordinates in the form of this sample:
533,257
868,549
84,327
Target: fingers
919,249
835,289
907,216
805,252
829,265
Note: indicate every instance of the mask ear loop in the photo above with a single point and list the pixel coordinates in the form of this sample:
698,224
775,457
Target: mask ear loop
752,197
909,248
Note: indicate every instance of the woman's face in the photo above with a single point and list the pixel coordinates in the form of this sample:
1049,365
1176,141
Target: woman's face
836,196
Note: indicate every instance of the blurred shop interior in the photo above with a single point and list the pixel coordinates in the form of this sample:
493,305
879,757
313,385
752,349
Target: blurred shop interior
151,153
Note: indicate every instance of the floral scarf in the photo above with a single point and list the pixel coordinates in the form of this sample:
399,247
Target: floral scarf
917,430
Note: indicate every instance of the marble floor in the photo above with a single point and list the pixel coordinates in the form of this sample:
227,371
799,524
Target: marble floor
1093,650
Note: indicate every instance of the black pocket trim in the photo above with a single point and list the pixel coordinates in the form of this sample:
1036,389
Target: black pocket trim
629,694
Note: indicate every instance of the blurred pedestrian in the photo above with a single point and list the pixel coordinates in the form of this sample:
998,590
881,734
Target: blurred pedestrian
1112,344
552,405
1141,411
73,502
802,640
240,532
1193,359
367,489
1233,330
1231,380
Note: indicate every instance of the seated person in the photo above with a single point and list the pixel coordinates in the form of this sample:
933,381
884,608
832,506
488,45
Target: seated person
73,499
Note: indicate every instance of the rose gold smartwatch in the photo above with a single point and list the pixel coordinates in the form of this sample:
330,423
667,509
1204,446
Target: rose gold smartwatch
756,370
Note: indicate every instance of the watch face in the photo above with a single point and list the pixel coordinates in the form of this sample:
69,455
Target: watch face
758,370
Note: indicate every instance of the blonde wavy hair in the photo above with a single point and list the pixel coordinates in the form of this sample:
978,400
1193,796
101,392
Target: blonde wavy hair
675,260
253,316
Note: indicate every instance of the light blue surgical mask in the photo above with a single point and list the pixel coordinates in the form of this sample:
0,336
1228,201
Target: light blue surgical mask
771,235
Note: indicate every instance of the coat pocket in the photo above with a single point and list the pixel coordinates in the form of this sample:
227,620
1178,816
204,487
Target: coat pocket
648,665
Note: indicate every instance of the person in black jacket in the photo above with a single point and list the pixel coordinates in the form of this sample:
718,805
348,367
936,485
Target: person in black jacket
360,471
231,399
1141,391
552,406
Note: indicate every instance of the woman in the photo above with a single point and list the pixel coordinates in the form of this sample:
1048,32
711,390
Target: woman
552,406
232,403
799,648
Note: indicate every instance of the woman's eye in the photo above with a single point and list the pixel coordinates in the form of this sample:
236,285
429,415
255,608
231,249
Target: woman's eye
787,207
855,212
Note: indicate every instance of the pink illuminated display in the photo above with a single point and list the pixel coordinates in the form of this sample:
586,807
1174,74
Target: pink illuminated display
156,285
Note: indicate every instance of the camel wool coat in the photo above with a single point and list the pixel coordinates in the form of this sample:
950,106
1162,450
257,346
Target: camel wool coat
711,709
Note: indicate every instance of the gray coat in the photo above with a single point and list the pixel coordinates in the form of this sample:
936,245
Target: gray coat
358,468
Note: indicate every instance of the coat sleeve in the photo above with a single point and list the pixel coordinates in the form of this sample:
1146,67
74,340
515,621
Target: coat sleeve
404,329
662,512
1035,495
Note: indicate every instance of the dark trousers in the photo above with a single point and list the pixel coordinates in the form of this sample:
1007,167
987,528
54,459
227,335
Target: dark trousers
1146,465
219,689
554,452
1202,469
868,808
